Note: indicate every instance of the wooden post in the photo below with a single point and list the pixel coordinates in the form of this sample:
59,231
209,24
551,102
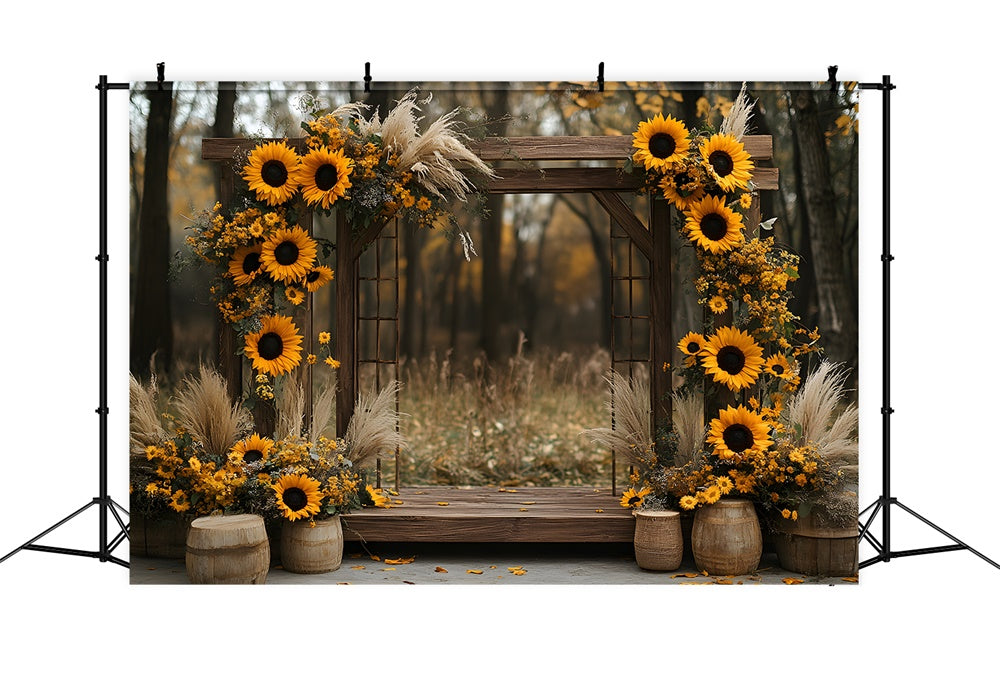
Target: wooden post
661,337
230,364
346,328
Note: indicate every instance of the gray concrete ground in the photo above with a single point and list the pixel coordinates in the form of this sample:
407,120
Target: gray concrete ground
478,564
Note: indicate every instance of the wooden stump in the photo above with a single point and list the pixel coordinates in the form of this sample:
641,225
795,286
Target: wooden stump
228,550
659,545
726,538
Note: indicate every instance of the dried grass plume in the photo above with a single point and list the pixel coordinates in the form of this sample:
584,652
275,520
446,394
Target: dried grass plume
628,403
145,427
737,123
689,425
811,412
372,430
205,411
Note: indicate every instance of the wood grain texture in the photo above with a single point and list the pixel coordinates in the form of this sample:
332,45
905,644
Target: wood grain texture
345,342
228,550
661,342
488,515
623,215
726,538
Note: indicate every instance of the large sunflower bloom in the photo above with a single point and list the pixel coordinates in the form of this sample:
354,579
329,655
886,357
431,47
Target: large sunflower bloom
254,448
298,496
245,264
632,498
270,172
660,142
732,357
728,161
324,176
714,226
288,254
318,277
738,431
277,348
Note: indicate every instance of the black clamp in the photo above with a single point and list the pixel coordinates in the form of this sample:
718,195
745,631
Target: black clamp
832,77
368,76
101,410
600,77
159,75
887,257
103,258
887,410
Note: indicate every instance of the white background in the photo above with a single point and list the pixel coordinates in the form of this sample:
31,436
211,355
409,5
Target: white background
918,618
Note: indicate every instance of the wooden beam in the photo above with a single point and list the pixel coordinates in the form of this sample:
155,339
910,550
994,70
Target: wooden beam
345,342
528,148
623,215
559,180
368,235
661,336
568,148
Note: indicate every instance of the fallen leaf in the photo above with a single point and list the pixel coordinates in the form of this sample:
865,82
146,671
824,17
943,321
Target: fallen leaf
597,490
527,502
792,581
397,502
392,492
407,582
419,492
598,511
723,581
343,583
492,566
686,575
375,557
705,573
501,490
401,560
357,568
523,509
474,570
440,569
515,568
442,504
388,568
354,556
850,580
521,572
510,490
688,583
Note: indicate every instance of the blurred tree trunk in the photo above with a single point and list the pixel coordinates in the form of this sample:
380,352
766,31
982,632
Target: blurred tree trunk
152,325
837,317
412,242
602,254
495,104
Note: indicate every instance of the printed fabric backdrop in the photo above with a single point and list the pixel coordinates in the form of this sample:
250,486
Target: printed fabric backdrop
371,327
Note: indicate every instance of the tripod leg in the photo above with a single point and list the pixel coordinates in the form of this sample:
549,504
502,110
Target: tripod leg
947,534
45,532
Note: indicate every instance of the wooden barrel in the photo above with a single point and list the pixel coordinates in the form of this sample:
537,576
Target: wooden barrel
726,538
659,545
307,548
162,537
228,550
811,547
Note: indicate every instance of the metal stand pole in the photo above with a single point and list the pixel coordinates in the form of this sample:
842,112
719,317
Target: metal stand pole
886,501
104,502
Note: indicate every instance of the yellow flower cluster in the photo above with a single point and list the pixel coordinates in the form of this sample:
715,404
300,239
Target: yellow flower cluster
196,484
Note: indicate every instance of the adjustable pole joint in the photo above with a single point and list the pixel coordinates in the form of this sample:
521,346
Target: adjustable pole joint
103,258
101,410
887,410
887,257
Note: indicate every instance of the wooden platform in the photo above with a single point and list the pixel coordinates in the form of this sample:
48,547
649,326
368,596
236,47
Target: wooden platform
495,515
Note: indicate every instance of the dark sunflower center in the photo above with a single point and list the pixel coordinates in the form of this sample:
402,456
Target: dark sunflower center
312,276
662,145
713,226
286,253
274,173
253,456
721,162
635,499
294,498
693,347
777,369
270,346
326,177
731,360
251,263
737,437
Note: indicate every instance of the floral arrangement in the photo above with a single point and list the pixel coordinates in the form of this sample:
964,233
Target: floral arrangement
770,442
267,264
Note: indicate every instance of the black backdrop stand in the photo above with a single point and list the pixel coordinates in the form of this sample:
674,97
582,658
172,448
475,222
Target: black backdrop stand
886,501
103,501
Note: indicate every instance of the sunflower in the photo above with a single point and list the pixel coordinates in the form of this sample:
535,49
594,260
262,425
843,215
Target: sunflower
713,494
717,305
378,499
245,264
318,277
714,226
684,184
294,295
692,344
660,142
688,502
728,162
633,499
254,448
324,176
736,432
298,496
725,484
179,502
270,172
276,348
778,365
732,357
288,254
